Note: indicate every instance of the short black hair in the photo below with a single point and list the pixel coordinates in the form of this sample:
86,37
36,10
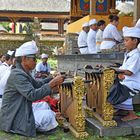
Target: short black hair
7,57
113,17
100,22
138,39
13,55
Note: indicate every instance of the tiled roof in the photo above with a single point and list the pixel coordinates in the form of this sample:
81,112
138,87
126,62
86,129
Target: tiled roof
35,5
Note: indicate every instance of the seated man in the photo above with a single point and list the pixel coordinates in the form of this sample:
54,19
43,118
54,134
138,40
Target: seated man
43,68
16,114
131,71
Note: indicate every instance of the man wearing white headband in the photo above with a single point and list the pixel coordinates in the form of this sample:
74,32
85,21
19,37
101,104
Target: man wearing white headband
16,114
131,71
82,39
43,68
91,39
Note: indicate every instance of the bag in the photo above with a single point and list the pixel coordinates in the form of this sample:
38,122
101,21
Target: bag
118,93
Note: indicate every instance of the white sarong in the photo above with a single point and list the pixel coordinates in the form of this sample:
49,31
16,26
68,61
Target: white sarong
44,117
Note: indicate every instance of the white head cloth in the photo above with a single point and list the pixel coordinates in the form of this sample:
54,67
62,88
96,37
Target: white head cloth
131,32
10,52
27,49
44,56
138,24
92,21
85,24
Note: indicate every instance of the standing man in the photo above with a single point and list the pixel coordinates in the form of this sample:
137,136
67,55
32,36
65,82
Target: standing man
91,39
111,36
16,114
43,68
82,39
99,35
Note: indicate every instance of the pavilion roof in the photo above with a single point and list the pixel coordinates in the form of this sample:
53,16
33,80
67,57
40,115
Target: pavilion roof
35,5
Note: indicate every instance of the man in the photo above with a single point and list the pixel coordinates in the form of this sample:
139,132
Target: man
2,59
5,69
99,35
43,68
91,39
7,63
16,114
82,39
8,60
111,35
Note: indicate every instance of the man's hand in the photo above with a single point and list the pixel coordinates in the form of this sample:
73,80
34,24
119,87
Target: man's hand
58,80
121,76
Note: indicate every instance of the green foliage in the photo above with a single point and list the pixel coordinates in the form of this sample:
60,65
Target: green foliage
5,25
53,63
28,28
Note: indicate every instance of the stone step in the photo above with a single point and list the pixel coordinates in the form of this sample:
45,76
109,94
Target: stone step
123,128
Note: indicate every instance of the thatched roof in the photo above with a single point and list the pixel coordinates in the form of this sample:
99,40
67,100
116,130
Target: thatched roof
35,5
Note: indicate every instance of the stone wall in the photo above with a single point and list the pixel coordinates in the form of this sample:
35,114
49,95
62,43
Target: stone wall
13,41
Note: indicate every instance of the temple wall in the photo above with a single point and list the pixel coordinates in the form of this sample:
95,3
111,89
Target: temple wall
13,41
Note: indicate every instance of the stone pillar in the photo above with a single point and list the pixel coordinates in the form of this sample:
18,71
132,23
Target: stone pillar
71,46
136,10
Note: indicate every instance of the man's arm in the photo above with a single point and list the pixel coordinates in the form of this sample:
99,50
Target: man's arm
24,86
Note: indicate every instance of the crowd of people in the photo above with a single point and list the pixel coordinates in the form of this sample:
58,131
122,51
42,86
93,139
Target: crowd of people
24,109
96,37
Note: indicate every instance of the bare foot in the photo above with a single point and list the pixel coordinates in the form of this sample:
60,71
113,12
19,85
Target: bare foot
130,116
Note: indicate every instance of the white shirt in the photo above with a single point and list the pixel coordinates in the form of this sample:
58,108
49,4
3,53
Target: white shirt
132,63
0,62
3,67
99,39
110,32
82,41
91,41
138,46
3,80
43,68
5,70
